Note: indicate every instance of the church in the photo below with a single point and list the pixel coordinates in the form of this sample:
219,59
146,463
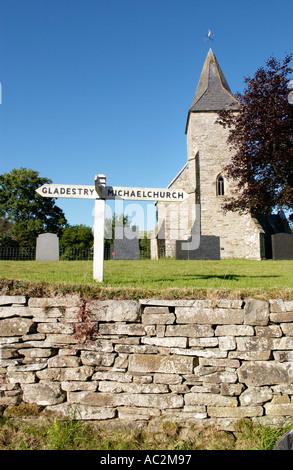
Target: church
197,228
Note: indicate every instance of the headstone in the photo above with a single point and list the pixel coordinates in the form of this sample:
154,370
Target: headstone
126,243
209,248
47,248
282,246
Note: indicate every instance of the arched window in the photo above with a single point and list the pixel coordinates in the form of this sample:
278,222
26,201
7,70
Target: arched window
220,186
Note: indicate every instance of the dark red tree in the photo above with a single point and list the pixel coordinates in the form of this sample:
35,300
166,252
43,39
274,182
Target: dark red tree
261,138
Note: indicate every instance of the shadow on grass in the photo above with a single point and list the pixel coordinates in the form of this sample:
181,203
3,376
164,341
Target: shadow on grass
226,277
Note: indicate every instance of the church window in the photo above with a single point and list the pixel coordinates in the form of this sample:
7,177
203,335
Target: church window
220,186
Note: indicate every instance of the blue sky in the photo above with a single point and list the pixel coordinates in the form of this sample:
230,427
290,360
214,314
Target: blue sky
104,86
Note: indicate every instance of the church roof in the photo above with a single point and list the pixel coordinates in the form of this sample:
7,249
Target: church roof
213,92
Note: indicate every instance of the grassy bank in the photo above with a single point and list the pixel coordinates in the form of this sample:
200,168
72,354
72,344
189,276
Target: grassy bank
24,428
149,278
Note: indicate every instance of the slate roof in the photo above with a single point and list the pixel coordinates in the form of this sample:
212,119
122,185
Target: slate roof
213,92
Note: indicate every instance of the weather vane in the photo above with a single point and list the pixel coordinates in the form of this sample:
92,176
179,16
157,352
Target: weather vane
209,36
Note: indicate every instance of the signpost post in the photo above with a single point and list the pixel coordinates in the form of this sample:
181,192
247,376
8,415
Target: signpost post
100,192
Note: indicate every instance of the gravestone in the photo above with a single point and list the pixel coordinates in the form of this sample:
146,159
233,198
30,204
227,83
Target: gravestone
126,243
282,246
47,248
209,249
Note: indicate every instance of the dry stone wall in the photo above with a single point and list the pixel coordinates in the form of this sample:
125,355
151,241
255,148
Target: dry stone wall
198,362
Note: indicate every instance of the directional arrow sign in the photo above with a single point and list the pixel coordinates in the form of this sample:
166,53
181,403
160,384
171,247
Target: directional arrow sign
67,190
143,194
100,192
112,192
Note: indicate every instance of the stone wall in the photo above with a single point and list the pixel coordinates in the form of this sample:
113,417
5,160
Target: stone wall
198,362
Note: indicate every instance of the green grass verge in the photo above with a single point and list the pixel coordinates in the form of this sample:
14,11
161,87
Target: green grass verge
166,278
27,428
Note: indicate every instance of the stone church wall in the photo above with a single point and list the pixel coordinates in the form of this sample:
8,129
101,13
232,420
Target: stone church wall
197,362
239,234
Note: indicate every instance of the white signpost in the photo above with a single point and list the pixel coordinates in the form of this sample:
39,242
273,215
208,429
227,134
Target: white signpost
100,192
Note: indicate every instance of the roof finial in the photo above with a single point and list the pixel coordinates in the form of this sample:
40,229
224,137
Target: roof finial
209,37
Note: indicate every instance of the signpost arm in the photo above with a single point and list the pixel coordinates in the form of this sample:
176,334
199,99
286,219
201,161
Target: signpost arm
99,227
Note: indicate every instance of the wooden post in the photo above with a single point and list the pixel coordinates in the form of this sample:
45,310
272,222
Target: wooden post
99,228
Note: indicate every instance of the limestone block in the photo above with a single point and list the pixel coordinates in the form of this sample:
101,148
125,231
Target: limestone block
58,328
21,377
78,386
239,413
203,342
59,340
279,305
285,343
82,373
234,330
113,310
265,373
217,316
162,401
281,317
142,363
137,414
251,355
210,399
135,349
43,393
110,375
156,309
119,387
219,362
33,353
64,361
271,331
83,412
166,342
282,409
12,299
254,344
256,396
217,376
227,343
256,312
92,358
15,311
16,326
191,331
172,379
121,329
158,318
47,302
231,389
287,329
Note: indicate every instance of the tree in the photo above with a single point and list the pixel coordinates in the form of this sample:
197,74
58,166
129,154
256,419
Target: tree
76,241
261,135
29,213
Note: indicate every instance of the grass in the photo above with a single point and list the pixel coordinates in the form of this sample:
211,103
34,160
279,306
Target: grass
165,277
25,428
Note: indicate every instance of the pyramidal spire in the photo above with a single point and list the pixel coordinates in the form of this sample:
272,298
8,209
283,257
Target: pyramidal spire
213,92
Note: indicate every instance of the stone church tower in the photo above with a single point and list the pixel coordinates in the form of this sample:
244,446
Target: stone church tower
198,228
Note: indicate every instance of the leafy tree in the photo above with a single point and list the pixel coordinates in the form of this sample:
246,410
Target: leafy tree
30,213
261,136
76,241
